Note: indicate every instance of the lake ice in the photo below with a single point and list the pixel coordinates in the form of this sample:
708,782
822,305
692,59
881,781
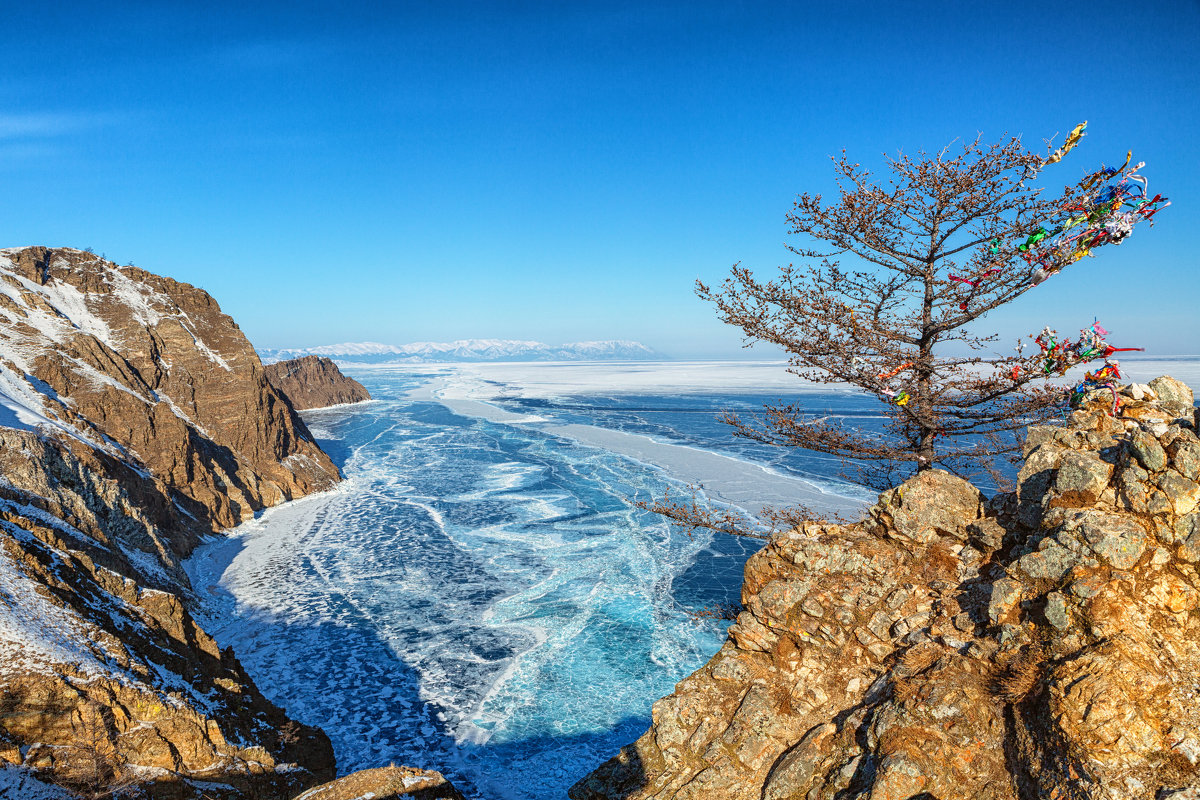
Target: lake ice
479,596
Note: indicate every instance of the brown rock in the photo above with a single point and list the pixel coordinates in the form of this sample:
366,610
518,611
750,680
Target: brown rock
153,365
1146,448
386,783
934,503
155,425
1080,480
1059,661
314,382
1173,394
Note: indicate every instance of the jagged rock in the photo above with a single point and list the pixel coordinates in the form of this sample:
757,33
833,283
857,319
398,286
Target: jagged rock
314,382
1050,562
986,534
1004,596
1148,451
1172,394
134,419
386,783
1185,458
1140,391
1117,540
886,659
1056,610
1080,479
933,504
100,661
1186,531
126,358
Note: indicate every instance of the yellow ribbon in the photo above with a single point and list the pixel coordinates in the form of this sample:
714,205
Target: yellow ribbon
1072,140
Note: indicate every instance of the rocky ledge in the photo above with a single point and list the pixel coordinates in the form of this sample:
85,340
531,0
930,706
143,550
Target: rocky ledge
314,382
386,783
135,418
1041,643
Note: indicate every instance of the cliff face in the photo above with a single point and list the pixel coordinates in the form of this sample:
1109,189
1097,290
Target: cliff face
134,418
314,382
151,366
1044,643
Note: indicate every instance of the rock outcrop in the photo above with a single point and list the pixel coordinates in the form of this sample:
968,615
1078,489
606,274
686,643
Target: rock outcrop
314,382
386,783
135,419
1041,643
149,366
104,675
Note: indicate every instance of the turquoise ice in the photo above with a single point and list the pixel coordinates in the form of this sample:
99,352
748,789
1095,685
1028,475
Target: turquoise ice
478,597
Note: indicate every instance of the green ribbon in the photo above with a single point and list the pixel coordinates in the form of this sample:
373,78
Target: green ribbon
1042,233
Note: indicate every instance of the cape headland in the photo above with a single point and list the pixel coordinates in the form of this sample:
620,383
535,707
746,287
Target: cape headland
135,418
314,382
1041,643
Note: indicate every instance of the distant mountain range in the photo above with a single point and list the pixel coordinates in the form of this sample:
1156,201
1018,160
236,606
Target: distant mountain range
468,350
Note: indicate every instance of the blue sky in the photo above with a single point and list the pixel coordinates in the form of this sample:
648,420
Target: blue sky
563,171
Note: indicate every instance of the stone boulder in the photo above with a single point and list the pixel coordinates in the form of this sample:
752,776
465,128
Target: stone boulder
934,503
386,783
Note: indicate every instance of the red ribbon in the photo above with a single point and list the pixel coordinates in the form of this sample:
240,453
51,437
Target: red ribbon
1109,350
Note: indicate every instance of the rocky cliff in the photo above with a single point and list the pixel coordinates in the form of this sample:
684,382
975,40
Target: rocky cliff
135,418
149,366
314,382
1041,643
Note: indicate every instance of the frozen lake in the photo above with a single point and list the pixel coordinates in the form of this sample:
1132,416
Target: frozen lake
479,596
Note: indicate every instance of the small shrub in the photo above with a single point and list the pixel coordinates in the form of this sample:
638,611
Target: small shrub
1019,677
720,611
919,658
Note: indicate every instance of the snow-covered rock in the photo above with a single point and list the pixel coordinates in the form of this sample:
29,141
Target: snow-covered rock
135,418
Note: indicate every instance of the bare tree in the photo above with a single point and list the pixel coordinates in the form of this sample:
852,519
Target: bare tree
935,246
99,766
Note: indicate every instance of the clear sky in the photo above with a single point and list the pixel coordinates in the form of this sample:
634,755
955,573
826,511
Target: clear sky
563,171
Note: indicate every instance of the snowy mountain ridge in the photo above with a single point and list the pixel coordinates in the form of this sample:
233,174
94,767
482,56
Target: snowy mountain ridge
470,350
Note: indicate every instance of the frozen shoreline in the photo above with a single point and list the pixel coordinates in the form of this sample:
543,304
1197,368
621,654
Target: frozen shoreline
724,478
476,597
466,389
559,378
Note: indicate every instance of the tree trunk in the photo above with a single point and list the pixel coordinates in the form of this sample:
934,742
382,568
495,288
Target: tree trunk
924,412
